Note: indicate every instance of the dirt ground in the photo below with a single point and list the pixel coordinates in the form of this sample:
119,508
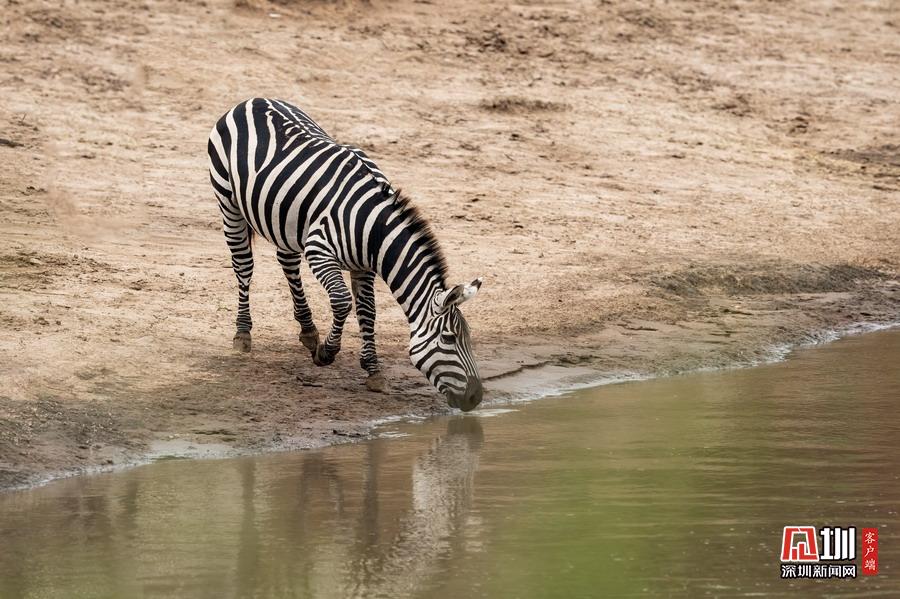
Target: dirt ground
645,187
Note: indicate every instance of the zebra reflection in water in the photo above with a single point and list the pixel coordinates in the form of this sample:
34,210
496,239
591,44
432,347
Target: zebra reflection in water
443,487
331,530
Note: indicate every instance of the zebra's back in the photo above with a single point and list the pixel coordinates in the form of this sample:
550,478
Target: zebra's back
283,173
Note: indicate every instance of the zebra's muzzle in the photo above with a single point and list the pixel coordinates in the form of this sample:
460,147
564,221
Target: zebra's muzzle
470,398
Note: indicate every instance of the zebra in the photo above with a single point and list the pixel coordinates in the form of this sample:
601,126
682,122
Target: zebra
277,174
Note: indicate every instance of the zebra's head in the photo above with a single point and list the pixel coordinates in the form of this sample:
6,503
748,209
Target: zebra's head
442,348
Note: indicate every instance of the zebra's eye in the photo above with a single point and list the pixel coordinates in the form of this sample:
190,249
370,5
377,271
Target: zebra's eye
448,337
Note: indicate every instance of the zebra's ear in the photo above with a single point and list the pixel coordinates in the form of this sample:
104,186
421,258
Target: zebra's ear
471,289
457,294
444,299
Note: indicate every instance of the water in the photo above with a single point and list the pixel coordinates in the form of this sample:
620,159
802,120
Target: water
672,487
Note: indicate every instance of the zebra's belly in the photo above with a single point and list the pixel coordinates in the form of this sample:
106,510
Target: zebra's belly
285,231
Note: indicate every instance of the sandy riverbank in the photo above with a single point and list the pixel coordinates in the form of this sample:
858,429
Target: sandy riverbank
645,189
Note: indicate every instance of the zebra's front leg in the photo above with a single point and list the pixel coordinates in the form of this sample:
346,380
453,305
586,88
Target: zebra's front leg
327,271
362,284
290,265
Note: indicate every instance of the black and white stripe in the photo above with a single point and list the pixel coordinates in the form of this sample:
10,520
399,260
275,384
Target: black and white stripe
276,173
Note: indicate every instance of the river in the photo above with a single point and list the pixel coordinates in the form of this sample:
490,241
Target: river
677,486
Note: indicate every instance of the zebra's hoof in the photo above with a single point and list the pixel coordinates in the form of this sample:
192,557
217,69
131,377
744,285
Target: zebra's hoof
310,339
323,357
376,383
241,341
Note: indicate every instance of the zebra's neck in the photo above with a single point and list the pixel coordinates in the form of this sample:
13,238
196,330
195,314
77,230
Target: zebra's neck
409,260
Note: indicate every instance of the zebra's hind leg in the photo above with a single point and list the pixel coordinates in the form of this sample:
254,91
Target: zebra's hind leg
290,265
362,285
327,271
238,235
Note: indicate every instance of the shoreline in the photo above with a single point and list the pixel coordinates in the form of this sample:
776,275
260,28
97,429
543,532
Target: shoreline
554,380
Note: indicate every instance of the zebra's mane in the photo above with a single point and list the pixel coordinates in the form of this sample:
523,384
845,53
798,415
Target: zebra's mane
421,228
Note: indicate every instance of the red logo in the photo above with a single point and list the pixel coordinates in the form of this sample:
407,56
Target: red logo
798,544
870,551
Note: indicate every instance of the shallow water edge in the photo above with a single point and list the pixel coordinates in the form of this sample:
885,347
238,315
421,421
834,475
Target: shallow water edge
516,386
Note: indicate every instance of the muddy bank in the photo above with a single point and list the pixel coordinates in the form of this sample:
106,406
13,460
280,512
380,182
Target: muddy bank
645,189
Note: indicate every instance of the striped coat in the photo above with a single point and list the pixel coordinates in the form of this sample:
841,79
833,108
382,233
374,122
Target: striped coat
278,175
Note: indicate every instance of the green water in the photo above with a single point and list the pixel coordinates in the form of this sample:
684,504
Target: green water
672,487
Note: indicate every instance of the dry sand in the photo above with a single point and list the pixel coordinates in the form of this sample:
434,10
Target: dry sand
646,187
